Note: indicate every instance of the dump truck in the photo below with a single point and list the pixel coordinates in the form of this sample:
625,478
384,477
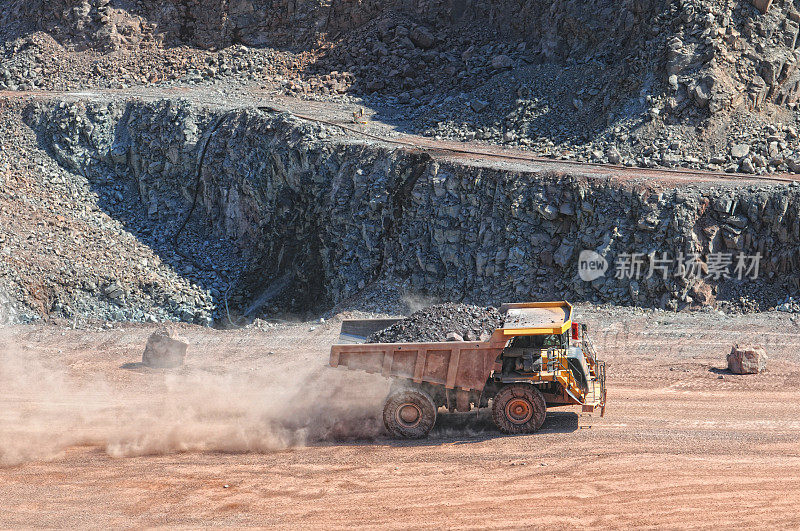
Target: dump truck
539,359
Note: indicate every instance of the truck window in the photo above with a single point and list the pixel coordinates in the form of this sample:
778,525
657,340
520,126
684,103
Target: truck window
527,342
552,341
544,341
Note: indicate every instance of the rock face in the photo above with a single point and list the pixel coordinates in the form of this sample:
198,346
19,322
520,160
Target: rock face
442,322
164,349
321,218
204,23
747,359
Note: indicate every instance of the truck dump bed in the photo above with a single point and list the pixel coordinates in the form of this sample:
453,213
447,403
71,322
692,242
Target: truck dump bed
462,364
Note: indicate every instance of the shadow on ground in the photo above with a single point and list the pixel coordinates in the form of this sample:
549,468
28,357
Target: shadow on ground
470,428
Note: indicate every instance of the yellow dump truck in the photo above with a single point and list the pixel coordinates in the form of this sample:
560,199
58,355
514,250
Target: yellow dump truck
540,358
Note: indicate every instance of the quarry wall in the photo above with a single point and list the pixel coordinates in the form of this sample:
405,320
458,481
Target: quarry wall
322,215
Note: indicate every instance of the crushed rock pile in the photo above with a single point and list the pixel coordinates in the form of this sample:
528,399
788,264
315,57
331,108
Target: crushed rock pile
442,322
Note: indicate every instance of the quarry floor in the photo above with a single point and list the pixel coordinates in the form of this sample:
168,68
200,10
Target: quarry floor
257,431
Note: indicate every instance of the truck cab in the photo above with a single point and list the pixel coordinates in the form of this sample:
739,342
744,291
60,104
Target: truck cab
524,354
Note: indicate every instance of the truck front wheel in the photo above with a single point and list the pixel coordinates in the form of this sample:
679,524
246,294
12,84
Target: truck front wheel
409,413
519,408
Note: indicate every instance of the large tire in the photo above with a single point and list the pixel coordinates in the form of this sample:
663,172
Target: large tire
519,408
409,413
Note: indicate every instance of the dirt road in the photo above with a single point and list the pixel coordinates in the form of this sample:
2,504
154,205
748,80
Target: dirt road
99,441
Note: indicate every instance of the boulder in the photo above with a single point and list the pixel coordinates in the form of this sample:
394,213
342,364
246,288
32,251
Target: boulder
762,5
501,62
478,105
747,360
701,94
164,349
739,151
613,155
422,37
747,166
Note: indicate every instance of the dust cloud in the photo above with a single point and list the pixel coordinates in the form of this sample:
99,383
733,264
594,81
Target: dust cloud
417,301
45,408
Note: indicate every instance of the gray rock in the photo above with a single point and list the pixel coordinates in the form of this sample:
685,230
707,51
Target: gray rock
501,62
549,212
670,159
422,37
739,151
648,223
114,291
613,155
673,82
478,105
164,349
702,95
563,254
679,58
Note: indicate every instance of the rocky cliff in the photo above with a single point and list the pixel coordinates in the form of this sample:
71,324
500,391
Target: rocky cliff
318,216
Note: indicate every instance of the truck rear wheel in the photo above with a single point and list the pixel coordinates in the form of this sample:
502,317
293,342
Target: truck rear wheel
409,413
519,408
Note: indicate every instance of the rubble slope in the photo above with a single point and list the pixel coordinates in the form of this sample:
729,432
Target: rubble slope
637,82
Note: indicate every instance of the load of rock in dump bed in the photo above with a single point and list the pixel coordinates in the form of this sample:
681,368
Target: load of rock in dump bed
442,322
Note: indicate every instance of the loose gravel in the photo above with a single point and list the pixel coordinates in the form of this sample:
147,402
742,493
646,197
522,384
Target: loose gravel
443,322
